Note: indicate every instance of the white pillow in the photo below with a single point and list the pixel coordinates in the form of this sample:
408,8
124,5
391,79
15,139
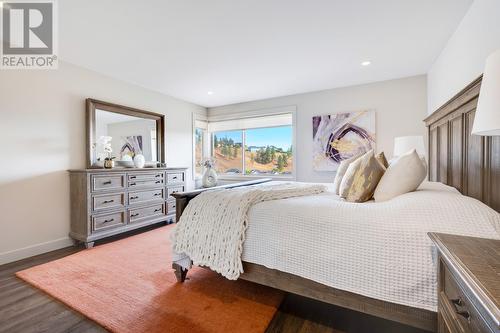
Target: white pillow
341,172
403,175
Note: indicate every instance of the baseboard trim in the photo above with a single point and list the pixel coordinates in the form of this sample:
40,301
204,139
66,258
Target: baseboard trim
33,250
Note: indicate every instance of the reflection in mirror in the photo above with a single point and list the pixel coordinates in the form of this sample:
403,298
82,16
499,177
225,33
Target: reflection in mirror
122,137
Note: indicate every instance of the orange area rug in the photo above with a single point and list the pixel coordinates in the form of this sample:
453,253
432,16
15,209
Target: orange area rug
128,286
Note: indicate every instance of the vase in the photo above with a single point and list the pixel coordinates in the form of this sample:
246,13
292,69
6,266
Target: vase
209,178
109,164
139,161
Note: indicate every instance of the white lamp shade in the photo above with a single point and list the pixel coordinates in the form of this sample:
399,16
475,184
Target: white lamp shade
404,144
487,119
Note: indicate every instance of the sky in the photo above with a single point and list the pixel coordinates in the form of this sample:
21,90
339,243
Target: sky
280,137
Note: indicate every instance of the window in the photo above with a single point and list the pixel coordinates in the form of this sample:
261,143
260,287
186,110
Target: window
257,146
198,151
227,152
268,151
200,147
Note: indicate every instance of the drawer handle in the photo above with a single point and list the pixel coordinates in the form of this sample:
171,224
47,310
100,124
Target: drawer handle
174,177
134,215
157,194
107,201
158,182
110,220
464,313
133,177
133,184
158,176
106,182
134,197
158,210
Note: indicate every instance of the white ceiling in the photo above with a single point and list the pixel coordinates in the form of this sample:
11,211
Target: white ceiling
253,49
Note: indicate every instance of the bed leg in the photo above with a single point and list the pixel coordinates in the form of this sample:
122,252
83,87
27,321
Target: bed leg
180,273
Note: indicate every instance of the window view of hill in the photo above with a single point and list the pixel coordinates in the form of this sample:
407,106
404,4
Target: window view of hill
266,151
198,152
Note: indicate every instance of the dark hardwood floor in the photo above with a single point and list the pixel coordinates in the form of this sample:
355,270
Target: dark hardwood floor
26,309
303,315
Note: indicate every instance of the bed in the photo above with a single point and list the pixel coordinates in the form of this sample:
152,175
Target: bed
375,257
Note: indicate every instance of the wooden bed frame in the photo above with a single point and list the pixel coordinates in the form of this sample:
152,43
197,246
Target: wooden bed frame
471,164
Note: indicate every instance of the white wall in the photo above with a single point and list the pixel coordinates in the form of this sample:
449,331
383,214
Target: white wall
400,106
463,58
42,130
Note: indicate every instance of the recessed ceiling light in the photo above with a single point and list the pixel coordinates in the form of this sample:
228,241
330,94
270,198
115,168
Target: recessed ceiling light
366,63
210,93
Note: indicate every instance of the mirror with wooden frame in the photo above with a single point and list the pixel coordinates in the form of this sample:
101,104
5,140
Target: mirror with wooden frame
120,132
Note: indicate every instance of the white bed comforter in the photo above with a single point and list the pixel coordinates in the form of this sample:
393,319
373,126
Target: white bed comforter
379,250
211,230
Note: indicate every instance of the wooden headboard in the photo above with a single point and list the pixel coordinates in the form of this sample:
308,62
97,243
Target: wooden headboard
467,162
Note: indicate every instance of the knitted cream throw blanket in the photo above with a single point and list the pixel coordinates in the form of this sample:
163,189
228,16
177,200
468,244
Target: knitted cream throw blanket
211,230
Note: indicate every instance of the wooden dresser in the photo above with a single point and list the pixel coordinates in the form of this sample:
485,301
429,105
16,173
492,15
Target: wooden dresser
108,202
468,283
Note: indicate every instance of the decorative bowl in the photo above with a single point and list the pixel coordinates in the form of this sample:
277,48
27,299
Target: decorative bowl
125,164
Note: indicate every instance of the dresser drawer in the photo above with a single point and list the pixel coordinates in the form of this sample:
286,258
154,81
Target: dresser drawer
146,196
171,207
108,201
458,306
107,182
140,176
174,189
173,178
107,221
146,183
143,213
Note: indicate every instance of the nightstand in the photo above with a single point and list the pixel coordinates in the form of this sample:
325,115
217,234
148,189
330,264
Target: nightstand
468,283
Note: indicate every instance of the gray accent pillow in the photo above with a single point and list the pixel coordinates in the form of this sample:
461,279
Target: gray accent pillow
361,178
